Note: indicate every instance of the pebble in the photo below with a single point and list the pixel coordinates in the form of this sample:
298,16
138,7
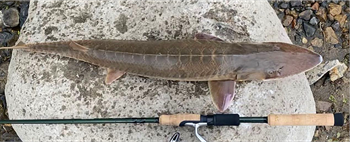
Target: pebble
341,19
294,24
314,21
1,21
287,20
310,48
11,17
306,15
317,72
5,37
323,106
317,42
330,17
9,3
287,11
284,5
315,6
304,40
321,14
295,3
347,10
23,13
309,29
338,71
342,3
330,36
317,133
335,1
324,4
336,26
334,9
294,14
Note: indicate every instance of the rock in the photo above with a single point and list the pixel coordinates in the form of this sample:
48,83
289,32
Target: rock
315,6
287,20
306,15
323,106
311,48
338,71
284,5
294,24
347,10
309,29
9,3
330,36
49,86
5,37
314,21
287,12
330,17
1,21
334,9
304,40
316,73
294,14
2,111
23,14
10,17
341,3
336,26
321,14
317,42
317,133
324,4
296,3
341,19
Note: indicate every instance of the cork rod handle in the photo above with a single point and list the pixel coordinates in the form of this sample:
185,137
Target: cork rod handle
306,119
176,119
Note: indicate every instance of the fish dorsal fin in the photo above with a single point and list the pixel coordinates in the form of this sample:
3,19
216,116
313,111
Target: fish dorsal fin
78,47
113,75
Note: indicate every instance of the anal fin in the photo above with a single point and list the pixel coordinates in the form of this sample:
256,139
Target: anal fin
222,93
113,75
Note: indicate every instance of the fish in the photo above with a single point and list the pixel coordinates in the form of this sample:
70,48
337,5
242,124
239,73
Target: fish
203,58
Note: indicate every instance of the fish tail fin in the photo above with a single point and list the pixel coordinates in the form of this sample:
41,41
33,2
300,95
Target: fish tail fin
20,45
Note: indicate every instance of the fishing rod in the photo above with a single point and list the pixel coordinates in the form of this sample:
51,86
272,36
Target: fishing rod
197,120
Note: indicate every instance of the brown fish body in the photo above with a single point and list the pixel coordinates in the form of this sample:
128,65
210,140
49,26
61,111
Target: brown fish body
206,59
188,60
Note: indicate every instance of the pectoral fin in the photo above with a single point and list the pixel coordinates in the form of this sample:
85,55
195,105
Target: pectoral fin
207,37
78,47
222,93
113,75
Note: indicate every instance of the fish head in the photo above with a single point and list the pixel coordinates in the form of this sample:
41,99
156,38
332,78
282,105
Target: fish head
276,60
289,60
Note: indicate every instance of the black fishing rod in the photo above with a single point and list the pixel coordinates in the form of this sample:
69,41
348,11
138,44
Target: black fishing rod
197,120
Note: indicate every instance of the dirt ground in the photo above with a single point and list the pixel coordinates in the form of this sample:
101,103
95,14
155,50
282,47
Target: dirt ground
335,92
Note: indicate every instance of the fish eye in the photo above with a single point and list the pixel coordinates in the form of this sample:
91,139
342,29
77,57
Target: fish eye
270,72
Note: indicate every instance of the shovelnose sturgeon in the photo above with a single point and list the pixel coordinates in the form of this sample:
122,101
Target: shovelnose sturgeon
206,58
